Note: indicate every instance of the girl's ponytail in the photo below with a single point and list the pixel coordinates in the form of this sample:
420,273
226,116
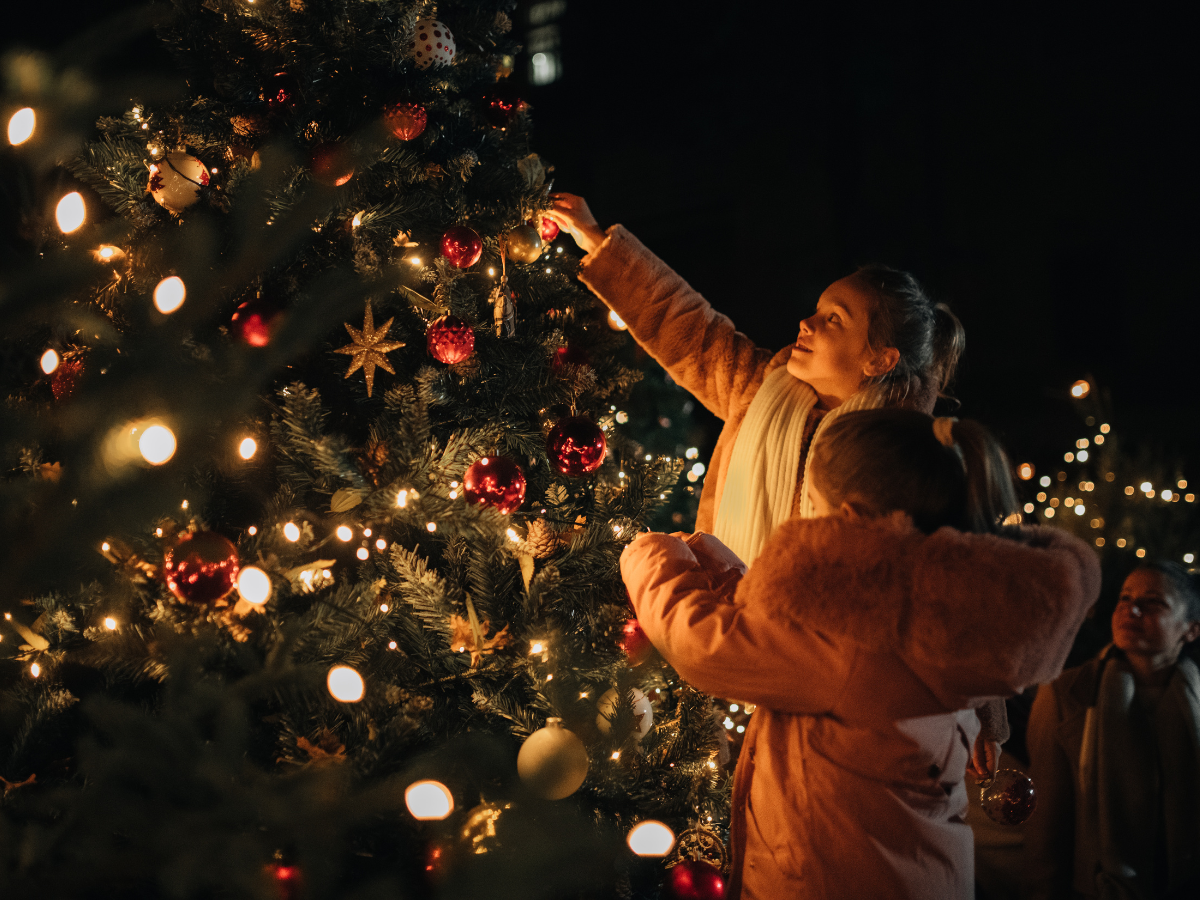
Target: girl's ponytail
990,496
949,341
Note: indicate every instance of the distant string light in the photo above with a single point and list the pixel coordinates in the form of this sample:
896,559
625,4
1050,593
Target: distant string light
70,212
1080,389
49,361
110,623
344,533
291,531
157,444
428,801
21,126
345,684
247,448
254,585
651,838
169,294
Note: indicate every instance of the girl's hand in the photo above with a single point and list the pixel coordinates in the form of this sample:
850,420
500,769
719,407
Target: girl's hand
985,757
570,212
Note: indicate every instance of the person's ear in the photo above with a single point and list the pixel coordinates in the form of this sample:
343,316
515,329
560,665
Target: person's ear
1192,632
855,508
882,363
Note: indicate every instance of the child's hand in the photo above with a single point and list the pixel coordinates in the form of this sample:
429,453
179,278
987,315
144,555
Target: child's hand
985,757
570,212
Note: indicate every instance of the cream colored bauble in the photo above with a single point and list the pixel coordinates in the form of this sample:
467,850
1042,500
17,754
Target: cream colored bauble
176,179
643,712
553,762
431,43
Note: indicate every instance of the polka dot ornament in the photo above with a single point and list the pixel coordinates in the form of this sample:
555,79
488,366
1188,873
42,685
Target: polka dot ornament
432,43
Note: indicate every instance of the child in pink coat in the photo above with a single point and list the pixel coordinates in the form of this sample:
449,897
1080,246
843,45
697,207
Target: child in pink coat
867,636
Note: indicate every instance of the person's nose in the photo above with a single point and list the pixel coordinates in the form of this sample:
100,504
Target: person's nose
805,327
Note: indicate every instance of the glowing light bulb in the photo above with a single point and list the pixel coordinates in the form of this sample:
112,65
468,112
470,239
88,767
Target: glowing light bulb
1080,389
1189,558
344,533
345,684
1025,471
381,544
169,294
70,212
615,322
383,607
35,670
363,553
254,585
21,125
247,448
291,531
110,623
431,527
513,536
392,645
49,361
1147,487
252,530
402,499
651,838
106,546
428,801
537,647
157,444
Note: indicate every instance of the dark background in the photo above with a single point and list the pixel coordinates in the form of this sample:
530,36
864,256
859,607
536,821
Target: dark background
1033,166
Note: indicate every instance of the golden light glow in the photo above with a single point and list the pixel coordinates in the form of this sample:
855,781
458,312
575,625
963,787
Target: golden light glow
537,647
431,527
254,585
1029,507
105,547
381,544
1104,429
49,361
428,801
344,533
1080,509
1099,542
1025,471
1120,542
1147,487
1129,491
363,553
108,253
1049,511
247,448
35,670
366,532
1081,389
392,645
651,838
21,125
291,531
1069,457
110,623
252,530
70,212
615,322
1082,456
1181,484
1166,494
513,536
169,294
383,607
402,499
157,444
1098,439
345,684
1141,552
1189,558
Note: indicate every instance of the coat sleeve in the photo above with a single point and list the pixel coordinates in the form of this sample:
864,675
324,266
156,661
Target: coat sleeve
1050,833
698,346
726,648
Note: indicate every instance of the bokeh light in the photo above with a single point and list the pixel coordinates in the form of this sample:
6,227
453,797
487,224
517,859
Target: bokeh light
70,212
247,448
169,294
157,444
49,361
651,838
429,801
254,585
21,125
345,684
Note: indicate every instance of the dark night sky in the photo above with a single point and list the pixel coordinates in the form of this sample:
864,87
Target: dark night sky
1033,167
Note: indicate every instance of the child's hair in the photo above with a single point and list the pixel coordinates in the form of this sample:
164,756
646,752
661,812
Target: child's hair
1180,582
893,459
929,336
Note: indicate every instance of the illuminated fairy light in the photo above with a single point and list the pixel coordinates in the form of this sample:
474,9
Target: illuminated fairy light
1141,553
183,505
381,544
1189,558
402,499
537,647
291,531
392,645
1129,491
363,553
157,444
622,417
1080,389
344,533
615,322
1082,456
1029,507
1049,512
35,670
513,536
454,495
49,361
1166,494
1181,484
110,623
247,448
1025,471
21,126
70,212
616,754
158,532
169,294
356,221
740,729
431,527
428,801
366,532
1079,509
345,684
1147,487
254,585
651,838
1099,542
383,607
1098,439
1044,481
252,530
1081,444
698,469
105,547
1069,457
1120,542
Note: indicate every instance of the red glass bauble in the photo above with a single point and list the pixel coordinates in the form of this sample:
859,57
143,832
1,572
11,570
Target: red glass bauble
65,378
500,111
462,246
201,568
332,164
280,92
256,321
288,882
569,356
576,446
495,481
1010,798
634,642
450,339
694,879
548,229
406,120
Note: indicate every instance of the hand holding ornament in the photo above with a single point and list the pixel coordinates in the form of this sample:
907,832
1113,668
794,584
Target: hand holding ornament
570,213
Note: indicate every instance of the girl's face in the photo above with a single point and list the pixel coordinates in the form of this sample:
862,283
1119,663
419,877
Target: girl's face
831,352
1150,619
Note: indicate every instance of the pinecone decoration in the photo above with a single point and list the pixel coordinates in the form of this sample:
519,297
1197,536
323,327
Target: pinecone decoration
543,540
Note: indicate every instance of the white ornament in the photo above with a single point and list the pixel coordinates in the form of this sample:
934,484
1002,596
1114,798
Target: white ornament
643,712
431,43
553,761
176,179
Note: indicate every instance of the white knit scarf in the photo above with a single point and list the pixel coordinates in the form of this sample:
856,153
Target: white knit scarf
760,482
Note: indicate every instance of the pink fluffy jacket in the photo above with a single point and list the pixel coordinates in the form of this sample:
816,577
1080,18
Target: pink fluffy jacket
865,643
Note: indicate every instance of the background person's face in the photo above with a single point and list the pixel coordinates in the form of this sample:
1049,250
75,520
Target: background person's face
1150,620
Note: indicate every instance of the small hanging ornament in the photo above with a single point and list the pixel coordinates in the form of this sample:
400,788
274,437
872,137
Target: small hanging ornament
462,246
495,481
553,762
576,446
450,340
700,842
176,179
1008,797
280,92
406,120
500,110
66,376
570,355
483,831
548,228
201,568
331,164
523,244
286,878
256,321
369,349
694,879
643,712
432,44
504,309
634,642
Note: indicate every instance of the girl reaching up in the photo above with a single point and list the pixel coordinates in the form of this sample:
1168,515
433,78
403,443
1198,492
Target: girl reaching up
866,635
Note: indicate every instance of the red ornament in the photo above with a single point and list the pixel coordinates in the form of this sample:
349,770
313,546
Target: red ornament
462,246
332,164
201,568
548,229
634,642
500,111
694,879
450,339
406,120
65,378
280,92
576,446
287,880
256,321
495,481
569,356
1009,798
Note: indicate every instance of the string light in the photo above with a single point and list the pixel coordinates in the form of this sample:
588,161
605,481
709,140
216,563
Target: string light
428,801
345,684
615,322
247,448
1025,471
431,527
1044,481
110,623
537,647
254,585
252,530
70,212
1080,389
35,670
651,838
1082,456
1141,553
1104,429
363,553
1049,511
49,361
291,531
21,125
402,499
381,544
366,532
344,533
1189,558
513,536
383,607
616,754
391,645
169,294
1147,487
157,444
105,547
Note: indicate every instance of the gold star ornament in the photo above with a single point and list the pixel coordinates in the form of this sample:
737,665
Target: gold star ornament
369,348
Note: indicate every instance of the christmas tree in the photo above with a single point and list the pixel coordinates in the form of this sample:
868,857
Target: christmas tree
318,476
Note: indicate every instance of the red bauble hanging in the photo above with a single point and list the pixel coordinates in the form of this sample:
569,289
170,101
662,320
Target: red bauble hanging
450,339
634,642
694,879
256,321
65,378
1009,798
495,481
569,355
332,164
500,110
406,120
288,880
280,92
548,229
576,446
462,246
201,568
